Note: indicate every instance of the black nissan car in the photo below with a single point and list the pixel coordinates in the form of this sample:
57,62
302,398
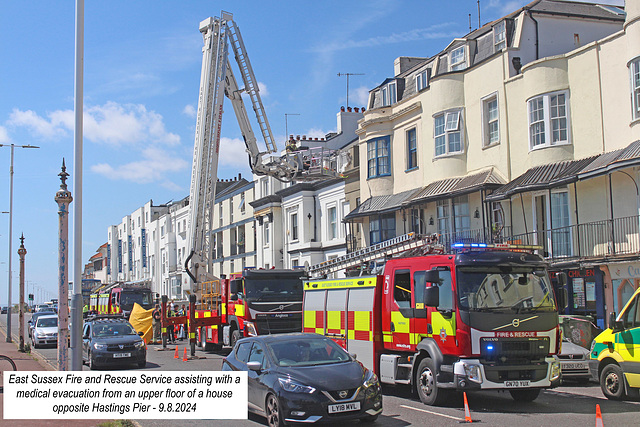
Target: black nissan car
112,341
305,378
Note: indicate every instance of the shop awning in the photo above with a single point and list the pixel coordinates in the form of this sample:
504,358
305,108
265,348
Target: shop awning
458,186
381,204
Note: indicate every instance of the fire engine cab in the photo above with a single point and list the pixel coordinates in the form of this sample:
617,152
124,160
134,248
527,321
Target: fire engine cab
481,317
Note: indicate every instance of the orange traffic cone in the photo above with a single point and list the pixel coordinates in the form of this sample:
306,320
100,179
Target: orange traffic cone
467,414
599,422
184,359
176,356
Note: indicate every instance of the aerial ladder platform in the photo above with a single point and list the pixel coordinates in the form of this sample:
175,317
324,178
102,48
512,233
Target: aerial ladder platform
410,244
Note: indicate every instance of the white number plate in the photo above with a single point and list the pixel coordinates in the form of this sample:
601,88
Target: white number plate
119,355
574,366
516,384
344,407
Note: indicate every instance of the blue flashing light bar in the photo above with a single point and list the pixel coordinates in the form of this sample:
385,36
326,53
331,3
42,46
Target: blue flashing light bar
503,246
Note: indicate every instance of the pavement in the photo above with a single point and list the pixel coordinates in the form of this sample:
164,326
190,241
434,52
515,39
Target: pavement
32,362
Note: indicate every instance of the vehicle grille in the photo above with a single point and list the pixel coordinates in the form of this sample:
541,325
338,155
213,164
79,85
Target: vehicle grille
116,347
350,394
268,324
503,349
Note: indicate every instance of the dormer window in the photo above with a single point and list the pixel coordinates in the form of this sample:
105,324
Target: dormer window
422,80
458,59
389,95
500,36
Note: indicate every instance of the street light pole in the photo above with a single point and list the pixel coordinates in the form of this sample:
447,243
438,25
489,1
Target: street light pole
10,231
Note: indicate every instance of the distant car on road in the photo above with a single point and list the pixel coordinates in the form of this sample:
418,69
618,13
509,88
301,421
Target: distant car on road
112,341
305,378
4,310
45,331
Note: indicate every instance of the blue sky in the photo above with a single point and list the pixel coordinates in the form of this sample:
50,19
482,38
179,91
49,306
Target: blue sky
141,82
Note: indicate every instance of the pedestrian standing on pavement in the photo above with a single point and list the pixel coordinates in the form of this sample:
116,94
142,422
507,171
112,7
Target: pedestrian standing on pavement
156,316
171,336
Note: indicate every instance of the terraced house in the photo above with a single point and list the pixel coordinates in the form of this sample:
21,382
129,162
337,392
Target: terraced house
526,130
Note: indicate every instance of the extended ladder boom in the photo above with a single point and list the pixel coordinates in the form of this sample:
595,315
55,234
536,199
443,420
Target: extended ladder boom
395,246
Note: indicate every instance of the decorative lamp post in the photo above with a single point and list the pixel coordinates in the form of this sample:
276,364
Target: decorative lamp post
21,252
63,199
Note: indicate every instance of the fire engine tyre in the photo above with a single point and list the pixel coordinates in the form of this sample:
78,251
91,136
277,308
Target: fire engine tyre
428,391
612,382
235,336
527,395
273,412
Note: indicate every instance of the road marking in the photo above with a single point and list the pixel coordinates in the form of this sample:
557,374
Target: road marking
433,413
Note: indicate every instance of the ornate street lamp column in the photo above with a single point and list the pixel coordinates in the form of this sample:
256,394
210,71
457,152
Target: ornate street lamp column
63,199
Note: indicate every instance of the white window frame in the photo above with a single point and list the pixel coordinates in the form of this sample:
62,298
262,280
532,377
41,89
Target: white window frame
293,226
265,234
422,80
459,64
634,75
541,129
411,149
500,36
452,125
332,223
389,94
487,120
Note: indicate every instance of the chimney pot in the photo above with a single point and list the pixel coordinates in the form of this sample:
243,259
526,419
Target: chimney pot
342,109
298,137
357,110
304,137
349,109
363,109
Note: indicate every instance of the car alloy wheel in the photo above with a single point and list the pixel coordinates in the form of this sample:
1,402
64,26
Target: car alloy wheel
274,418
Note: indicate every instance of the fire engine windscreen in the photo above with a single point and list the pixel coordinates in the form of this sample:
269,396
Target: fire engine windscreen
504,288
143,298
283,289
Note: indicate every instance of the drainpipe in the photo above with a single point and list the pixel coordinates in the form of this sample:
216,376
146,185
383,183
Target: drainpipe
535,23
315,221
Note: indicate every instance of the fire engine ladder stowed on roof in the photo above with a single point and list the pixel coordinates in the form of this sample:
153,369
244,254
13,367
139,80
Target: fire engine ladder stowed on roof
411,244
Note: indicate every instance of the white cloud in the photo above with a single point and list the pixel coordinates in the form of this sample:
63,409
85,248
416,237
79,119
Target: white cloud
153,167
233,153
39,126
361,95
189,110
111,123
432,32
4,136
262,87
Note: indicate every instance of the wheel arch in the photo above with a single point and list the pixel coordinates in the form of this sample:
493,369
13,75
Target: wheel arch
426,348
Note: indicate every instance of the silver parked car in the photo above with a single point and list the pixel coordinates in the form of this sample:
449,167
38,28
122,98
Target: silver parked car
45,331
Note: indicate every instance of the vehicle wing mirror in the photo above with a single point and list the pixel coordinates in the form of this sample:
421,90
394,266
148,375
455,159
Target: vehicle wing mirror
353,356
234,297
233,287
617,326
563,298
254,366
140,333
432,276
562,279
432,296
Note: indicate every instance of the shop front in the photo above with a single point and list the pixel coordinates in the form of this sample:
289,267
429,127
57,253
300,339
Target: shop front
585,288
625,277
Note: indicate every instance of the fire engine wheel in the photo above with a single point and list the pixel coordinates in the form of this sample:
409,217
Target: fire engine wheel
235,336
528,395
612,382
274,414
428,391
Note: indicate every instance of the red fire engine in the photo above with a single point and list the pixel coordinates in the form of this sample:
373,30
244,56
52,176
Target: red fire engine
484,317
254,302
120,298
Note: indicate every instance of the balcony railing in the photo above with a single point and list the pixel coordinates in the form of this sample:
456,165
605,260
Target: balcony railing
597,239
